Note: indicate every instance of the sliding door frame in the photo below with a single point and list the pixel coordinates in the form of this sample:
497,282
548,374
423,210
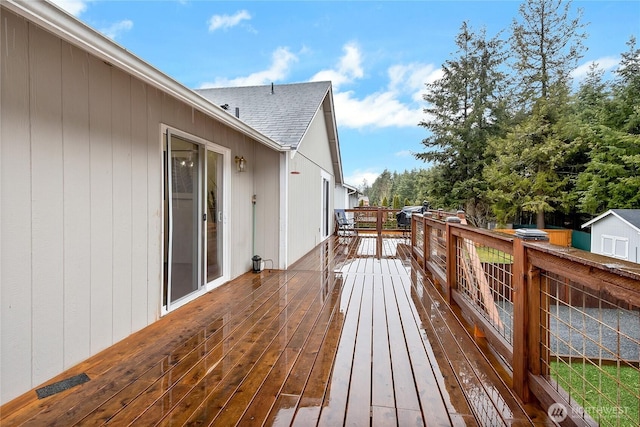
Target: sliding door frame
201,234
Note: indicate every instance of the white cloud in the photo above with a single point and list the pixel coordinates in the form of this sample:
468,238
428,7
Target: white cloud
74,7
348,69
606,63
116,29
379,109
404,153
358,176
281,61
225,22
411,78
400,104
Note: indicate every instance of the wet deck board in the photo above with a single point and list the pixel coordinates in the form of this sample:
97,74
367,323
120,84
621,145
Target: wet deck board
347,336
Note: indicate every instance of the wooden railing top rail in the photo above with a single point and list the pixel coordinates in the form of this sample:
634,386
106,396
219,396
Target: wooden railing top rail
620,279
501,241
623,268
431,221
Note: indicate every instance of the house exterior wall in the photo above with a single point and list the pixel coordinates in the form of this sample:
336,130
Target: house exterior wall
345,198
620,239
341,199
305,191
264,163
81,202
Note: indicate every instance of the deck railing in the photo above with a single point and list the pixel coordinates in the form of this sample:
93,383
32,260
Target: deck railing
566,322
374,220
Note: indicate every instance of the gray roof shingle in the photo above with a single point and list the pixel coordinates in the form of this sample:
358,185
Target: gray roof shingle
282,114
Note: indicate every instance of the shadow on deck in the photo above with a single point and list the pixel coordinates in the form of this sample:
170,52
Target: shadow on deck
354,333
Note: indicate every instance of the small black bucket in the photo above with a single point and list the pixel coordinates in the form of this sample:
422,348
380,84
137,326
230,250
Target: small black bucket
257,263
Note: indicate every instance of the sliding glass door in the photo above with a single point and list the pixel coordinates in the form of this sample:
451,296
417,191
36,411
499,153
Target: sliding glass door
183,215
194,217
215,215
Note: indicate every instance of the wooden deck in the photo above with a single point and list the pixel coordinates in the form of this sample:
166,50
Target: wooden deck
344,337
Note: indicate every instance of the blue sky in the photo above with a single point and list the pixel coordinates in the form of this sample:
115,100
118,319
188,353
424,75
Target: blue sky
378,54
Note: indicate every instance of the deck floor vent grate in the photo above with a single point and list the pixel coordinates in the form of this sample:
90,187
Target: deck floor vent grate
62,385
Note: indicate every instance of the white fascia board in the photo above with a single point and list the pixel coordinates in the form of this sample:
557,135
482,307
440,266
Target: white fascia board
73,31
609,212
334,128
596,219
332,133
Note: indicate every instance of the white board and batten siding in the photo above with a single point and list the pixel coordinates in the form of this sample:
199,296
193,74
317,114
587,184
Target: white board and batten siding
262,163
614,237
81,202
15,208
74,165
305,190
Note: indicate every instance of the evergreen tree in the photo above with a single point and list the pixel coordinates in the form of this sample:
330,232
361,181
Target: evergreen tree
464,108
611,131
625,114
396,202
528,174
405,185
546,44
381,187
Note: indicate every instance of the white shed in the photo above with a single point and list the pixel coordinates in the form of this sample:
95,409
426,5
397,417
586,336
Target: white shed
616,233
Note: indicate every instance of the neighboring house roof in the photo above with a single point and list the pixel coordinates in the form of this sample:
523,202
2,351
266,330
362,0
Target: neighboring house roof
629,216
351,188
282,112
70,29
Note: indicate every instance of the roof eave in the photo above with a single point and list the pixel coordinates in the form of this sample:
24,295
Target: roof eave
332,130
326,106
70,29
607,213
596,219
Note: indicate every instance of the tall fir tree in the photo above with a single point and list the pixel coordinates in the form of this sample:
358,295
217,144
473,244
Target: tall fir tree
464,107
527,173
546,44
611,130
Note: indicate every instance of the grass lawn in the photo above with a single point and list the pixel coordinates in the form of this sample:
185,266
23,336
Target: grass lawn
494,256
597,390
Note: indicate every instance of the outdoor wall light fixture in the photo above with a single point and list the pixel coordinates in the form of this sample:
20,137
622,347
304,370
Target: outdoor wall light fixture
241,164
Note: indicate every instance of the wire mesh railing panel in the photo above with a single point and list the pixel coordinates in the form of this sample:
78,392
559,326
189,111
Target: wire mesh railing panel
438,246
484,278
590,351
365,219
419,233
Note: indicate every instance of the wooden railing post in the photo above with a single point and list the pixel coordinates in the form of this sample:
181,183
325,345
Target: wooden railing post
519,364
537,322
426,242
414,230
379,233
526,313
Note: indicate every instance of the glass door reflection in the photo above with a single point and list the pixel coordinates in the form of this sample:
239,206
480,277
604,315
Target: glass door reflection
215,223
